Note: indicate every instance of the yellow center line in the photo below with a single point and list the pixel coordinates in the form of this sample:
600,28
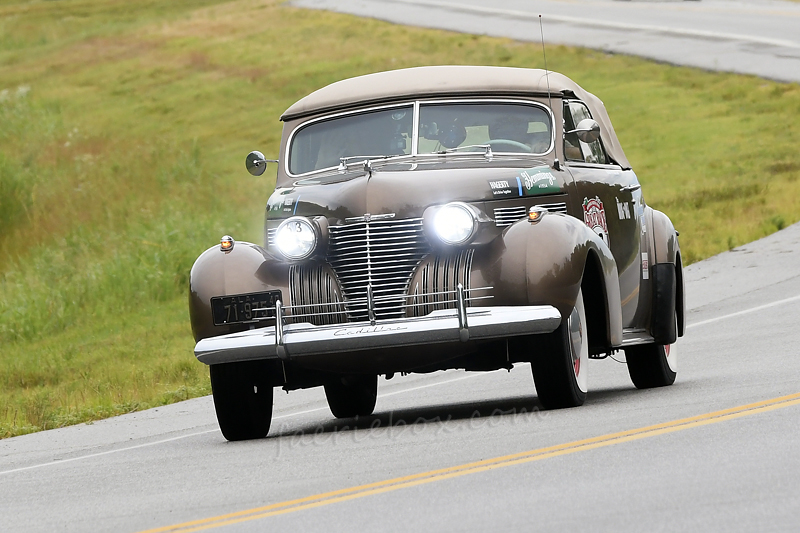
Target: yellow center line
380,487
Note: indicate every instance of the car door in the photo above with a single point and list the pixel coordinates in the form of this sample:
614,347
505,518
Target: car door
610,203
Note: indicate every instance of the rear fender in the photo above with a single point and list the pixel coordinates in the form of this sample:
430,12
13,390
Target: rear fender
665,239
667,282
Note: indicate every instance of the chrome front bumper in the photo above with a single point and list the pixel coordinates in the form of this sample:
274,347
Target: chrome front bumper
451,325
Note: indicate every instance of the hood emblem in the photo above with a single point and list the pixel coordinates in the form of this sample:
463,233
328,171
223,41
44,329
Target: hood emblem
368,218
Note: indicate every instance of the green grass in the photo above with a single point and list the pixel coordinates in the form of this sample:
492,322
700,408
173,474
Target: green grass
123,129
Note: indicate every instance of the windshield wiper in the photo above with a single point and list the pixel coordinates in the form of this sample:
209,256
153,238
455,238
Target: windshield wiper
368,160
344,162
486,147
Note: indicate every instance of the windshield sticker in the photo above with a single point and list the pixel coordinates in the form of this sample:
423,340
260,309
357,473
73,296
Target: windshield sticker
539,180
645,267
594,215
504,189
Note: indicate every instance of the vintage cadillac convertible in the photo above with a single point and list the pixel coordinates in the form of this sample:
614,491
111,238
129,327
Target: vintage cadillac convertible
437,218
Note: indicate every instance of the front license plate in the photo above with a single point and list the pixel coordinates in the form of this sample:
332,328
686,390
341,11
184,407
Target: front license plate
242,308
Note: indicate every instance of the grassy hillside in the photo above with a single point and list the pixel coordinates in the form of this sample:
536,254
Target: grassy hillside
123,130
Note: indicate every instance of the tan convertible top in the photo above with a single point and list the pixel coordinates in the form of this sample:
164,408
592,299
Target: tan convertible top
451,80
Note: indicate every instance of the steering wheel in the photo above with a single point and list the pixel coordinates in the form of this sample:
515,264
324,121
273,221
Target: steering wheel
509,142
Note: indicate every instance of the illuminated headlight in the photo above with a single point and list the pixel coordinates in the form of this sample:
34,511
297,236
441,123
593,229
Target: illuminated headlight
296,238
455,223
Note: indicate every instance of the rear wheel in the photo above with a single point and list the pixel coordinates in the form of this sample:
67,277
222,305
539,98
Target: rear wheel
652,365
352,396
242,399
560,360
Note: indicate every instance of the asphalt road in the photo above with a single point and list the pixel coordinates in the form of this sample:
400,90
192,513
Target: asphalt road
735,469
760,37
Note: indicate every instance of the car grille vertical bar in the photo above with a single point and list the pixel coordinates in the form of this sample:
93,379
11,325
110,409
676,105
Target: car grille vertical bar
380,253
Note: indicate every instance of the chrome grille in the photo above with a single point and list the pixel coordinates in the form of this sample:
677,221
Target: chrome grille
315,295
435,282
558,207
271,237
379,254
505,216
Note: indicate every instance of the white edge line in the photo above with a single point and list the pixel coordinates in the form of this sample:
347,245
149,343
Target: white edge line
71,459
744,312
601,23
163,441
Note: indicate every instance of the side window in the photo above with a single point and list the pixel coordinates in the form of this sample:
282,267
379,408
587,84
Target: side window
572,145
574,148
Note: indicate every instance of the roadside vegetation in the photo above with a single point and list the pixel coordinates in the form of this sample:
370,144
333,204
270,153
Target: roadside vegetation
123,131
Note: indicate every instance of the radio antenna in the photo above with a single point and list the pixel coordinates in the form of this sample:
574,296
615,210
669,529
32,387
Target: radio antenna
556,164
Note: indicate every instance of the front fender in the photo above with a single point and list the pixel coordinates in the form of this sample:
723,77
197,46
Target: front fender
245,269
545,264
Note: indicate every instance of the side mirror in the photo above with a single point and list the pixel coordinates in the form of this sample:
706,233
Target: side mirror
588,130
256,163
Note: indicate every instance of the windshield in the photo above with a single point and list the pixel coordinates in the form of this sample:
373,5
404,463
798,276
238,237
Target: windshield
363,136
505,127
469,126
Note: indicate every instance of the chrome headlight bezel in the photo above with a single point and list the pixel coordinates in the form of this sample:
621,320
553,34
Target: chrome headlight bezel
299,248
455,223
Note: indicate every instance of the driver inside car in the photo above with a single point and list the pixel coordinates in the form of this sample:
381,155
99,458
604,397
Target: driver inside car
514,130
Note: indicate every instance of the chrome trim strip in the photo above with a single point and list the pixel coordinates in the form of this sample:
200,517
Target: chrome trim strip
280,349
505,216
415,131
632,337
368,218
461,310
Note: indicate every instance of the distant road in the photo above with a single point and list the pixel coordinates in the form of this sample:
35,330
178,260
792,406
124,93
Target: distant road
760,37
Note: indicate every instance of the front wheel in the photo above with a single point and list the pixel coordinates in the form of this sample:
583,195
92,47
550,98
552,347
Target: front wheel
560,360
352,396
242,399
